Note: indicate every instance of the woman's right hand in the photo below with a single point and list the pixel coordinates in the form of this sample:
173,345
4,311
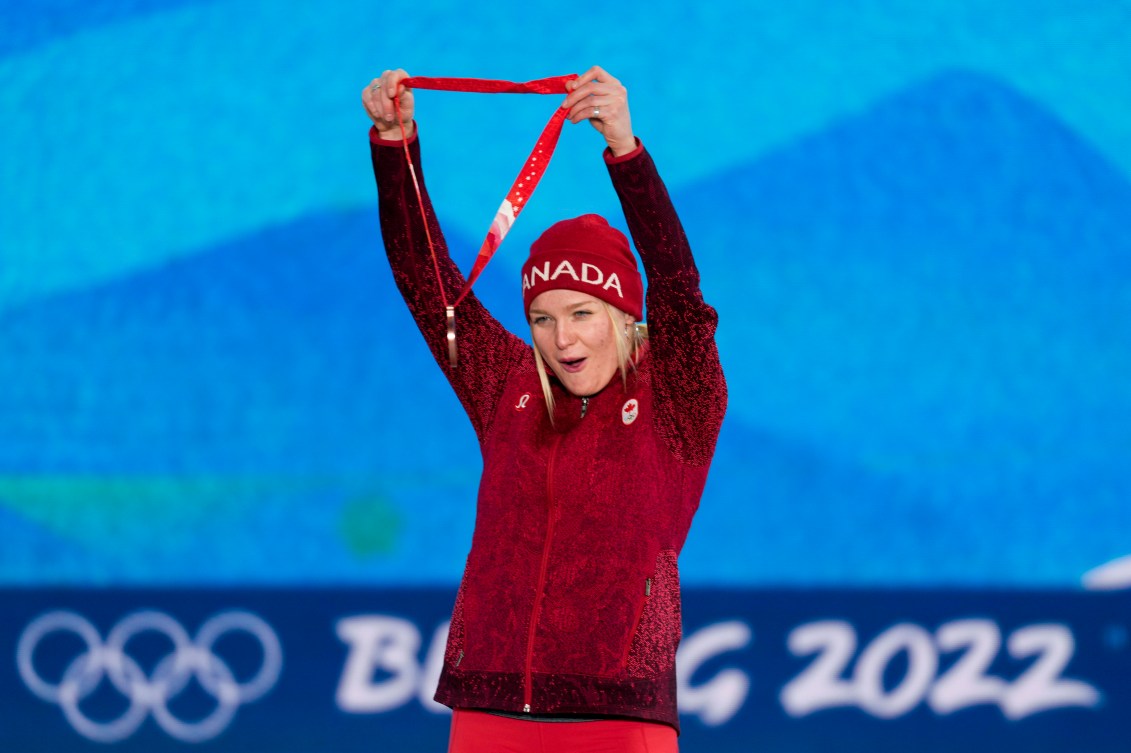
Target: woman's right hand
378,99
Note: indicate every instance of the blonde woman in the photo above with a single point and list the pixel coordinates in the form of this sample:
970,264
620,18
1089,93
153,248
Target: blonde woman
596,443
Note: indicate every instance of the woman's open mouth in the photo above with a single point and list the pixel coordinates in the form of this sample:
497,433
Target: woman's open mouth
572,366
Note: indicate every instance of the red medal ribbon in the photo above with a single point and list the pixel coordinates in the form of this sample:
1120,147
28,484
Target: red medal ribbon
552,85
523,186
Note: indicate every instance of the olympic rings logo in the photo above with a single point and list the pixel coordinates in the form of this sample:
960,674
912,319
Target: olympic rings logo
150,693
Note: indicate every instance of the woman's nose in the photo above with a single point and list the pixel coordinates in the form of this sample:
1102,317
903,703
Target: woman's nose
564,336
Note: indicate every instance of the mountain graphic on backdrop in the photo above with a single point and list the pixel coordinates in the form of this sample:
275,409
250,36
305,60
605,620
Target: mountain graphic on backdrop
914,303
936,292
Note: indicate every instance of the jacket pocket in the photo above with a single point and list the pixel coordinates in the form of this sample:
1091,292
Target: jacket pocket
637,618
656,631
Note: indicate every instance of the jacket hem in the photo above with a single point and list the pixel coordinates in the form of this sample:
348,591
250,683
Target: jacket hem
651,699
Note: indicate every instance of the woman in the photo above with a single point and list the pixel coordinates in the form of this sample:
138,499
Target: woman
595,448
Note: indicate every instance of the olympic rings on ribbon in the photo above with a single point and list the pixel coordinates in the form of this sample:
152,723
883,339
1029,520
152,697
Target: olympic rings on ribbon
150,693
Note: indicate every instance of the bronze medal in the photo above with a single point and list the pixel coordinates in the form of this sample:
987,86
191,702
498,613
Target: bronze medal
452,352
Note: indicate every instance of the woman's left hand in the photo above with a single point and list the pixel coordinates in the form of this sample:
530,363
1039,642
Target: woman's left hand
603,101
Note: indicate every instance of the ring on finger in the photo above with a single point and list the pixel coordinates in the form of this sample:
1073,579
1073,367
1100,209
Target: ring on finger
596,111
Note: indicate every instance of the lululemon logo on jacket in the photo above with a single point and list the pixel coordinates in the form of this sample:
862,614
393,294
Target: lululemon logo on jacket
522,402
590,274
629,411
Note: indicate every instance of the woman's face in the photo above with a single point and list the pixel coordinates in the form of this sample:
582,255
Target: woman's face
576,339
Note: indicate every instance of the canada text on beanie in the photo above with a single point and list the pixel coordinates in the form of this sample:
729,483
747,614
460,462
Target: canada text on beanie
588,255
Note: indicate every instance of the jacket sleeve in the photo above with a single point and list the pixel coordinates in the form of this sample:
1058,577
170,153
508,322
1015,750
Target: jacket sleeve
487,351
688,383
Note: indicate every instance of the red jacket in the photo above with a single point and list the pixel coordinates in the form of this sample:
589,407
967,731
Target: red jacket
570,600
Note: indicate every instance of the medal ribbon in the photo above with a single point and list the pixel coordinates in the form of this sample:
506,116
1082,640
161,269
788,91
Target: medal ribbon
522,188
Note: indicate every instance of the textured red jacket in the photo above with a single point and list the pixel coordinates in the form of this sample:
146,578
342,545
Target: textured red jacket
570,601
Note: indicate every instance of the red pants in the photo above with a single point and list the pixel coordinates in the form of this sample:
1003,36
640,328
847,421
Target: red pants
480,732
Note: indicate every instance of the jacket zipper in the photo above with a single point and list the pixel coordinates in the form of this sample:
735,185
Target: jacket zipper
528,690
584,406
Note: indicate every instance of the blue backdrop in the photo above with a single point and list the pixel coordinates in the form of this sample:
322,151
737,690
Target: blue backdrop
911,217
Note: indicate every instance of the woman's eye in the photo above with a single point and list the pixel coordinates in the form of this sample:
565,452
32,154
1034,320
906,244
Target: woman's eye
540,320
582,313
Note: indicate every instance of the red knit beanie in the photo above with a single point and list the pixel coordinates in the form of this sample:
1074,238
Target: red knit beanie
584,254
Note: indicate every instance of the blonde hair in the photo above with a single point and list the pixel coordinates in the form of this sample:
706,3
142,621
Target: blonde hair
629,341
